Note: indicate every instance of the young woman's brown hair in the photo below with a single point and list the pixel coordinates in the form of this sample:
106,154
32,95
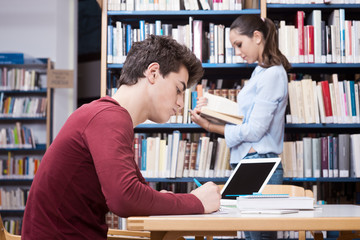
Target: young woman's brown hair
247,24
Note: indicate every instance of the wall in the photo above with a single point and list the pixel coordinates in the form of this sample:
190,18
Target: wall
44,29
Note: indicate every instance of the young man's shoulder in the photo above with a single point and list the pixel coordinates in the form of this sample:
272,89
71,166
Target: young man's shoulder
100,104
105,107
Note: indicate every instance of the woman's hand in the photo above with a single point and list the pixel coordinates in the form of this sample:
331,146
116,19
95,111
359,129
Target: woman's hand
203,122
196,118
201,101
195,114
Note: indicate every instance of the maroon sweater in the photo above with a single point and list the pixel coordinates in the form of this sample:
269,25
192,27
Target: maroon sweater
89,170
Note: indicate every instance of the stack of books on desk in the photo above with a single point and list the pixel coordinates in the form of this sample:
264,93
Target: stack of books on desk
256,202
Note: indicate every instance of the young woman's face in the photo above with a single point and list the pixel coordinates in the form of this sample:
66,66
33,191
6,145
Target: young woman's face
248,48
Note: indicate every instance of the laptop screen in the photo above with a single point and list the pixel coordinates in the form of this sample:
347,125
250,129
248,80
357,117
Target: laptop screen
250,176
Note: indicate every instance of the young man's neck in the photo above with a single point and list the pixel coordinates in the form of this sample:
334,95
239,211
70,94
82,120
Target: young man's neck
133,99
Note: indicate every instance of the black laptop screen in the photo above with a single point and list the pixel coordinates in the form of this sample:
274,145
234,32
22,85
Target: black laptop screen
248,179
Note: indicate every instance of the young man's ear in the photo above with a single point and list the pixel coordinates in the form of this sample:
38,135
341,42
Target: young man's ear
152,72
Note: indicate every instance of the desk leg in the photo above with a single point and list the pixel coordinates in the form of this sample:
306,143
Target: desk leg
318,235
157,235
302,235
167,236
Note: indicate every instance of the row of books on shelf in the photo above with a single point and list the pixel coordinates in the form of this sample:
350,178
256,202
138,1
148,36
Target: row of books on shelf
13,198
324,102
326,156
19,79
217,104
17,137
142,5
179,155
212,45
12,225
338,41
313,1
19,168
22,106
176,5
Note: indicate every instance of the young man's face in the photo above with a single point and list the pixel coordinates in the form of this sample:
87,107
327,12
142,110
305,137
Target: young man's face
169,96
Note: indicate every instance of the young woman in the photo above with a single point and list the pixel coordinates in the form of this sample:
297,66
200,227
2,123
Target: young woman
262,101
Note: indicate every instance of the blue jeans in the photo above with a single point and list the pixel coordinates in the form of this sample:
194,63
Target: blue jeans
277,178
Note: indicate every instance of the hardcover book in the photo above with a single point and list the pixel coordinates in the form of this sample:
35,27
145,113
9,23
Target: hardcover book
221,110
249,202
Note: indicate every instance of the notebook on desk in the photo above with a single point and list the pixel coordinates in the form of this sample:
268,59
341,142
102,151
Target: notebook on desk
250,176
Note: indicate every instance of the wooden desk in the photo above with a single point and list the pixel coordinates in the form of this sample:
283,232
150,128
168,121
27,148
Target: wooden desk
326,217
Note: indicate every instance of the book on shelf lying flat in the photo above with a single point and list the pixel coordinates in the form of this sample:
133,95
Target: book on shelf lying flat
220,110
299,203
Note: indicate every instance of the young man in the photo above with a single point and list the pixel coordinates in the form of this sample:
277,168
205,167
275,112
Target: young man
89,169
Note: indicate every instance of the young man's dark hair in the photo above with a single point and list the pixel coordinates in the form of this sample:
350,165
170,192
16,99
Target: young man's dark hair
167,52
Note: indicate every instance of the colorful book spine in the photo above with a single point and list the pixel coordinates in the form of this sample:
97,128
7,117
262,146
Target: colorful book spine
110,44
327,101
300,27
129,39
324,157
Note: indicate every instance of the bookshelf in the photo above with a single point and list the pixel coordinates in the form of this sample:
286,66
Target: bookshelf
276,12
166,17
213,71
327,187
25,123
331,189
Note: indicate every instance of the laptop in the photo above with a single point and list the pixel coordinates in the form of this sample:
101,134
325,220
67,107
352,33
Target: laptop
250,176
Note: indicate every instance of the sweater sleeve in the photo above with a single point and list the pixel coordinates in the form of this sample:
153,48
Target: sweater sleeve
269,92
109,137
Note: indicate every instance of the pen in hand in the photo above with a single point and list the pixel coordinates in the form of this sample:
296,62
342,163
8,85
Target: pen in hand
197,182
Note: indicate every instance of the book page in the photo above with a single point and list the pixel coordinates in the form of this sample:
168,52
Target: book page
221,104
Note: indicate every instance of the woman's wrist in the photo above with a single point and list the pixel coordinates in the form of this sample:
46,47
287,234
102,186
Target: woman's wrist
208,127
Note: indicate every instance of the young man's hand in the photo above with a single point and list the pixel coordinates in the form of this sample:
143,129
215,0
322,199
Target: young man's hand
209,195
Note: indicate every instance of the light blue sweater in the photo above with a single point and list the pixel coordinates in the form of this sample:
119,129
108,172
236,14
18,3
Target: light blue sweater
262,102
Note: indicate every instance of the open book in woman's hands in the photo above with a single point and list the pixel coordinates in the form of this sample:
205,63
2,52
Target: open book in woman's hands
220,110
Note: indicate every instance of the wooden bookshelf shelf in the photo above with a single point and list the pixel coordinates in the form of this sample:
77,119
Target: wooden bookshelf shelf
12,211
190,179
39,147
326,65
204,65
337,179
183,13
281,7
16,180
39,91
11,119
324,125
